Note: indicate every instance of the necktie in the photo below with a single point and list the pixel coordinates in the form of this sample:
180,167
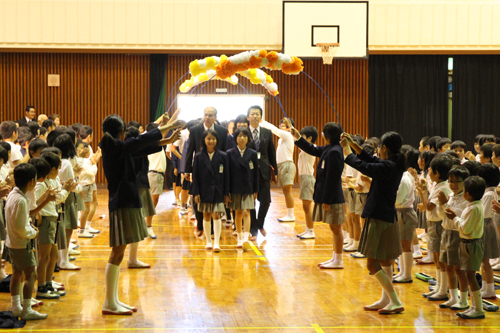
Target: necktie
256,138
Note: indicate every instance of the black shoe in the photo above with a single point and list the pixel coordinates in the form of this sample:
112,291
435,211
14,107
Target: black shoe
56,269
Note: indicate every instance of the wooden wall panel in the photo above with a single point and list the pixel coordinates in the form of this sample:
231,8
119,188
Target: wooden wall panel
92,87
345,82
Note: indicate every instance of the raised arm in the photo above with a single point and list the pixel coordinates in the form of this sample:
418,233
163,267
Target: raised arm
276,131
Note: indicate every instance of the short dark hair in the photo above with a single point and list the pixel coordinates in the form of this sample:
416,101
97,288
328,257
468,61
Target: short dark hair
23,174
292,122
76,127
67,146
24,136
368,149
412,159
191,123
458,144
310,131
451,153
475,186
406,148
51,158
27,109
36,144
53,150
132,132
6,146
34,127
8,129
151,126
48,123
42,166
487,150
241,119
242,130
4,155
332,131
85,131
490,173
459,171
54,116
254,107
427,156
134,123
374,141
43,131
358,139
425,141
477,138
205,134
487,138
496,150
442,164
433,142
441,142
472,166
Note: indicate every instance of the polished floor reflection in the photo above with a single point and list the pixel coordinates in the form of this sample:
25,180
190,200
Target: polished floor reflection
276,287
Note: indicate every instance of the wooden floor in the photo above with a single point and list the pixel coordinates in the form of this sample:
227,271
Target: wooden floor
277,287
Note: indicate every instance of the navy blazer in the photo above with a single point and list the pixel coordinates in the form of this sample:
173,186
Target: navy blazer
386,177
195,146
141,163
119,169
243,171
208,181
328,188
267,153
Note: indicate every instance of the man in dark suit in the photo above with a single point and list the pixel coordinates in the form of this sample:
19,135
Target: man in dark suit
209,117
266,153
29,115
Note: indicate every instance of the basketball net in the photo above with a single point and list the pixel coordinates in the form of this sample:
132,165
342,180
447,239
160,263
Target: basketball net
327,51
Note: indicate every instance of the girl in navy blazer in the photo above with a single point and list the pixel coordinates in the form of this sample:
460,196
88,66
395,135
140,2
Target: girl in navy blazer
211,185
380,241
244,180
328,195
126,224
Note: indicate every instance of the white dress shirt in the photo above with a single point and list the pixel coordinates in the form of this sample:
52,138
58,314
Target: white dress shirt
19,230
88,173
15,153
470,224
457,204
66,173
434,215
158,161
50,208
242,152
406,191
306,163
284,152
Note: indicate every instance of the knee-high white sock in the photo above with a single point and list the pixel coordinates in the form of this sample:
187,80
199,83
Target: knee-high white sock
246,236
111,277
386,283
217,231
416,248
16,303
438,279
401,267
477,302
133,252
290,212
407,264
207,227
463,298
115,291
63,256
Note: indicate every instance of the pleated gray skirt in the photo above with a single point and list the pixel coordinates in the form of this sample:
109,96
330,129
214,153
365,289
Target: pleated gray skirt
211,207
241,201
490,239
126,226
148,207
380,240
70,212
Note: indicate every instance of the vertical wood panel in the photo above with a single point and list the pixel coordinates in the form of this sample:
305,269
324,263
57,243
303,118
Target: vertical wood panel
345,82
92,87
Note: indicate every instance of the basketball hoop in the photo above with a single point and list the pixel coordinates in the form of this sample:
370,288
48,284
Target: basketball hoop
327,51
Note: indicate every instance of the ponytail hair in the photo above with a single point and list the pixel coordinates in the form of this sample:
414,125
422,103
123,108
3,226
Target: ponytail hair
393,141
112,126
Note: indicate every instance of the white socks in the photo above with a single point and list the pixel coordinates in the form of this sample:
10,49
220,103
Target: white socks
290,212
240,240
416,248
16,304
246,236
133,256
329,260
111,299
384,277
443,286
489,289
335,262
405,267
217,231
207,227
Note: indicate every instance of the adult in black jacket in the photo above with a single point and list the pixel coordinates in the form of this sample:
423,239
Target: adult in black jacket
266,153
29,115
380,241
195,146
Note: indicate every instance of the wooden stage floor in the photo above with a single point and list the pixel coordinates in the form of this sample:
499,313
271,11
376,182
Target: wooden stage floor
277,287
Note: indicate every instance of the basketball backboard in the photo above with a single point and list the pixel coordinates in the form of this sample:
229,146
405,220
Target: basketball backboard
306,23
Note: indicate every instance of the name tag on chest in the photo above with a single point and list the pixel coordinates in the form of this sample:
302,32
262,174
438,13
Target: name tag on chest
221,168
258,155
323,165
250,164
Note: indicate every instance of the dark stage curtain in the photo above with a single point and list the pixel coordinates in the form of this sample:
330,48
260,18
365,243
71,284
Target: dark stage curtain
157,67
408,94
476,97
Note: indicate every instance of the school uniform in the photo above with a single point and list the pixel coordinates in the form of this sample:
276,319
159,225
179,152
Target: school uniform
157,168
48,227
470,226
407,217
450,236
328,187
126,220
422,216
141,164
380,236
434,220
211,180
87,180
19,231
70,205
305,165
360,196
80,203
490,236
350,193
243,178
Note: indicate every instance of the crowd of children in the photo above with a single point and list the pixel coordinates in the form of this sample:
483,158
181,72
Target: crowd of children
373,194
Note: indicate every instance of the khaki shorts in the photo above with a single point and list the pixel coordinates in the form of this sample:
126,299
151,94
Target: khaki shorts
22,258
156,183
286,173
360,203
47,230
87,192
307,183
